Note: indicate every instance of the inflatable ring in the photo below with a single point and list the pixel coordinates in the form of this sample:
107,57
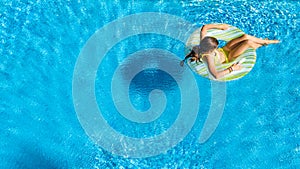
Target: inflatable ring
246,59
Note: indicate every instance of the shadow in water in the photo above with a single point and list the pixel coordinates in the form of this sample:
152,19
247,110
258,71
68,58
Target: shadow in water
154,67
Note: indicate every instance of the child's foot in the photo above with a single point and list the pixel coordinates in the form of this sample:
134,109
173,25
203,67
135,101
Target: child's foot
267,42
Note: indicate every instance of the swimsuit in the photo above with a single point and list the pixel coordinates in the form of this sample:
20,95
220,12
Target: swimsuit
217,56
225,53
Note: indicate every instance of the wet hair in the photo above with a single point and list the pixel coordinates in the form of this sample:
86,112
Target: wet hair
195,50
207,45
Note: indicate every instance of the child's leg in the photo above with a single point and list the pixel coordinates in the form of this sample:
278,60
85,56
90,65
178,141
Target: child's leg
234,43
241,48
261,41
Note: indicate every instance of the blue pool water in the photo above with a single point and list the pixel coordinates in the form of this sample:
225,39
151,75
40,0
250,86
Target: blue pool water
40,42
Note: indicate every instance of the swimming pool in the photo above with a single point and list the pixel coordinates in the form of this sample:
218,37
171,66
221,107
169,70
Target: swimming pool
41,44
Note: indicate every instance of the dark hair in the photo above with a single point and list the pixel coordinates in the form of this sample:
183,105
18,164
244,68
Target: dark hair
195,50
207,45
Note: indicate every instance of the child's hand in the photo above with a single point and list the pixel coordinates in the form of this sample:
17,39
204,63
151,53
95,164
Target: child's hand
237,66
224,26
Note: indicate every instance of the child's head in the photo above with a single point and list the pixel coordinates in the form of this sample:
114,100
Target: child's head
208,45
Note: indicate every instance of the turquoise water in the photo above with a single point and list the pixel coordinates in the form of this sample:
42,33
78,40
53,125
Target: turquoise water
41,42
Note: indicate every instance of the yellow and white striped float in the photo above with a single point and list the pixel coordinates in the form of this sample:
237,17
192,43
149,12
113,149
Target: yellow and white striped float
247,59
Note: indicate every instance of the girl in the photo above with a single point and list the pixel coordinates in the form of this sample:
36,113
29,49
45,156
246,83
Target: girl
209,52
